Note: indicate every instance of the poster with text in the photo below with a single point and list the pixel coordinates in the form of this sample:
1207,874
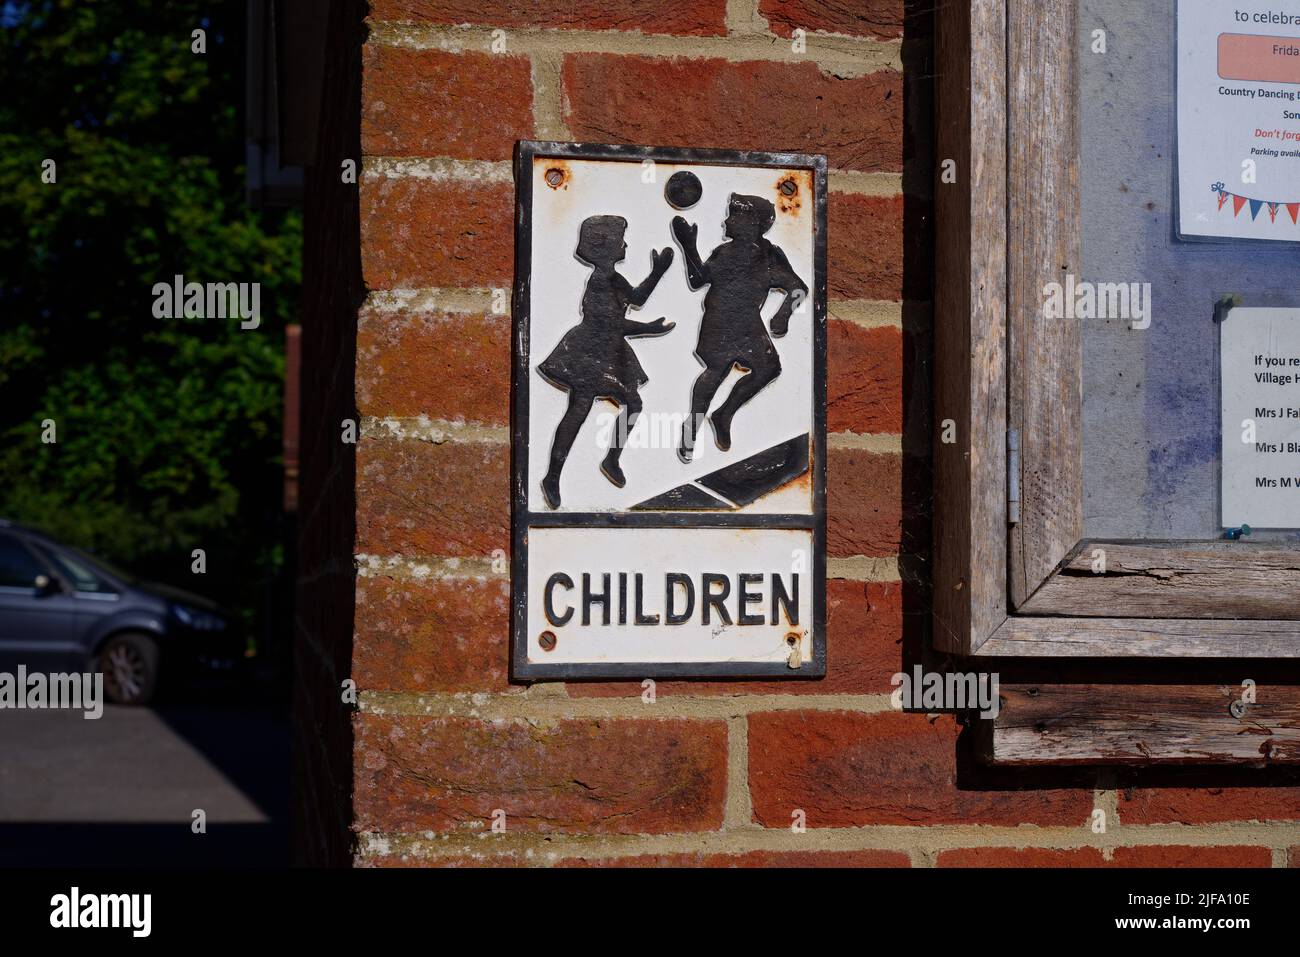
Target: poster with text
1239,120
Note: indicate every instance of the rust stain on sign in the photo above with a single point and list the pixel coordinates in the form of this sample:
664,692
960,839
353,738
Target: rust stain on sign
557,174
791,187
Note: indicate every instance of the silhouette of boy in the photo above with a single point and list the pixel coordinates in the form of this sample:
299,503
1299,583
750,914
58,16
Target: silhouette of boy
739,273
594,360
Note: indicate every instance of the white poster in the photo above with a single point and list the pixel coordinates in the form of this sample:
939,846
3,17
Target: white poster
1260,370
1239,119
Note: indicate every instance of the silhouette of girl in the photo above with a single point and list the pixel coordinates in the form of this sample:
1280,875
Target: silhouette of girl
593,360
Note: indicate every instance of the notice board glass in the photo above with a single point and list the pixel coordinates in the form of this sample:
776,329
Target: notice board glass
1189,117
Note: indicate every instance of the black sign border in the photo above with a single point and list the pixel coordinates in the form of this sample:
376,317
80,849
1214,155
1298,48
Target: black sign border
521,669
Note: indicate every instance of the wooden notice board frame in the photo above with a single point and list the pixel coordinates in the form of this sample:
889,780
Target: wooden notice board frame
1014,577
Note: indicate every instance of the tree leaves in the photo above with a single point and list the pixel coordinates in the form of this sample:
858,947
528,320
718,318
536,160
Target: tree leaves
168,430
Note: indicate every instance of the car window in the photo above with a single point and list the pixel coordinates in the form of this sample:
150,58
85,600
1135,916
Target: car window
97,563
79,573
18,566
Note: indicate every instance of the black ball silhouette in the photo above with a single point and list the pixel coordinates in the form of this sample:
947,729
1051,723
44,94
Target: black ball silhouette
683,190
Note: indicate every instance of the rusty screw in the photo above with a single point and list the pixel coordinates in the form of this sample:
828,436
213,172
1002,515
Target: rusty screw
554,177
547,640
788,187
792,639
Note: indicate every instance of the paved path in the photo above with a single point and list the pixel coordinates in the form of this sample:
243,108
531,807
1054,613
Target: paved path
122,789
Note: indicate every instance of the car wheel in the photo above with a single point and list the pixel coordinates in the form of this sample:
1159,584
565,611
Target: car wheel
130,667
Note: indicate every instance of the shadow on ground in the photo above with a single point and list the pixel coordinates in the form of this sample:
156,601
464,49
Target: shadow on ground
121,791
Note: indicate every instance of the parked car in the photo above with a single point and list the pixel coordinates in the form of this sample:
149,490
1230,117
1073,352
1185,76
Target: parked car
62,610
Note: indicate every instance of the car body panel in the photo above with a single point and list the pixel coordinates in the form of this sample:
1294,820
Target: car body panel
64,629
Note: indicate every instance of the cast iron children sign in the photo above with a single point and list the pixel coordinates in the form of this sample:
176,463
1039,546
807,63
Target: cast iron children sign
669,436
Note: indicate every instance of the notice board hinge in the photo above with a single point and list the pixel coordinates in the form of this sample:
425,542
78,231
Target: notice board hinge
1013,476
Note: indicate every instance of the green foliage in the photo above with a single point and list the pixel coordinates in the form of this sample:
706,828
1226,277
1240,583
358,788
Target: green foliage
168,429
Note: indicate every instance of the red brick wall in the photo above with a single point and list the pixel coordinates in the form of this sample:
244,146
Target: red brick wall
710,773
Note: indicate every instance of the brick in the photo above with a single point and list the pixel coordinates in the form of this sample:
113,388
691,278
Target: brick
442,365
864,508
879,19
1021,857
749,859
864,246
756,105
422,498
864,633
430,103
1207,805
675,17
1144,856
1161,856
591,776
418,233
435,635
846,769
766,859
864,378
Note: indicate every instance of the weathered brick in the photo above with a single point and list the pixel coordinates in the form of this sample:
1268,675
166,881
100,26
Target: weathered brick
846,769
749,859
864,502
418,233
864,634
768,859
881,19
746,860
573,776
431,103
1162,856
422,498
675,17
864,240
1206,805
864,378
1143,856
756,105
446,366
1021,857
432,635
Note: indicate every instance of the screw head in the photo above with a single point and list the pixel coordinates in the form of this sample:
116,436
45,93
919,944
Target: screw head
1237,709
547,640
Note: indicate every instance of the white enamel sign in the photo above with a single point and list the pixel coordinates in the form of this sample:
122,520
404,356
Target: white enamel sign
1260,389
669,427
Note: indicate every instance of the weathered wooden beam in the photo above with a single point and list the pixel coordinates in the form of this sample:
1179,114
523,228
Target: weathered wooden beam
1031,637
1173,580
1142,724
1045,235
970,318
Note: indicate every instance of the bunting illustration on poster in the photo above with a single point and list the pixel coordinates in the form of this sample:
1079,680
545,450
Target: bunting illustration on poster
1239,202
